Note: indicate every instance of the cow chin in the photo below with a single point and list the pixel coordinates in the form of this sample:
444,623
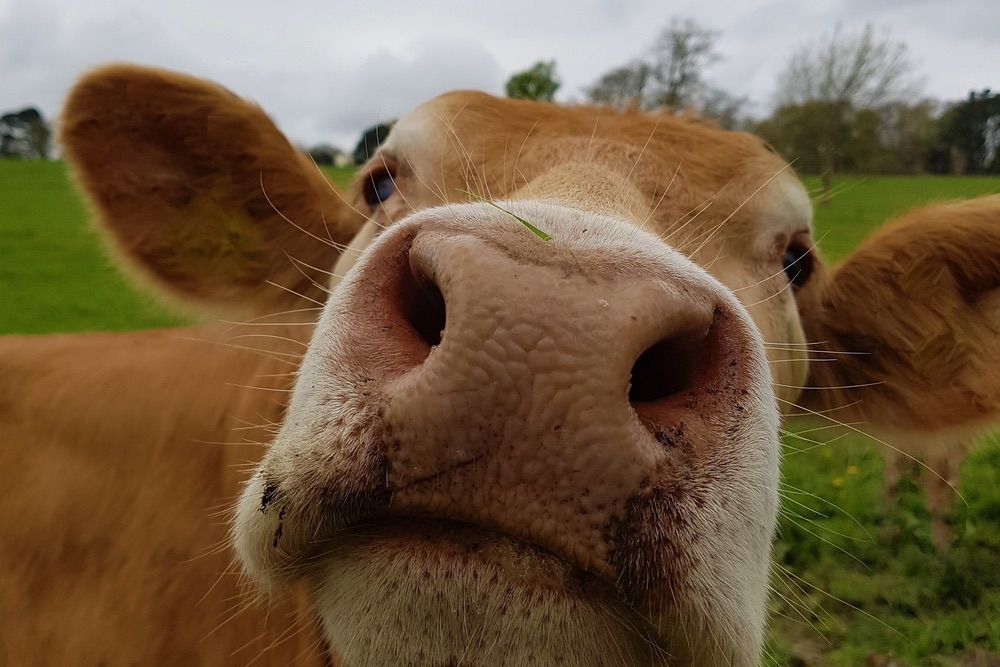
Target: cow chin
424,592
686,584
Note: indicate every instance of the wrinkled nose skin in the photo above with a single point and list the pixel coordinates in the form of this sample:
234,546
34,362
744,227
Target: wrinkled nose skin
520,417
539,388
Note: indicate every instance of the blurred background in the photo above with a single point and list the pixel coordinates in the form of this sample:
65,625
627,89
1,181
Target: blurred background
881,106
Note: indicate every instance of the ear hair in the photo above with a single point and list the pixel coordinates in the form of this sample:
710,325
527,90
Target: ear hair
201,196
920,301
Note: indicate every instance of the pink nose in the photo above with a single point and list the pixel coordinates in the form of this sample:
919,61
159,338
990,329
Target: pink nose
535,390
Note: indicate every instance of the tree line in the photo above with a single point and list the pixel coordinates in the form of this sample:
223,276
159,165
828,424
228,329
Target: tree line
24,134
847,103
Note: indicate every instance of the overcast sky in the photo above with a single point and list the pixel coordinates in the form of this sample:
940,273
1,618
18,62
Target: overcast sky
325,70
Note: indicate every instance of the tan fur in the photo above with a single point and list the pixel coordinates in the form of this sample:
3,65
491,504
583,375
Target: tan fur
919,296
111,551
919,301
130,448
193,182
114,523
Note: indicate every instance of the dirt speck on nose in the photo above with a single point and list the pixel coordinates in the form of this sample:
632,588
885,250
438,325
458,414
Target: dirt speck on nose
269,495
670,436
279,530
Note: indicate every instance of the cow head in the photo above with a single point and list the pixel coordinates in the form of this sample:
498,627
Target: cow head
537,420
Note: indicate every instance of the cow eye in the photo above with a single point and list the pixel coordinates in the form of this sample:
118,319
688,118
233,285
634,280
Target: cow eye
798,263
379,186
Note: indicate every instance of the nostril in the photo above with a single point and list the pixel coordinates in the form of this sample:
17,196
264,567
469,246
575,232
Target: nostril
668,367
423,306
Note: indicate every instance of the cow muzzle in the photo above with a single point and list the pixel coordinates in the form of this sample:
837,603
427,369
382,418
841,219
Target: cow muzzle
535,388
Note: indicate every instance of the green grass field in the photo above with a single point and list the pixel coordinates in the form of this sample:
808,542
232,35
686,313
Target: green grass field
858,581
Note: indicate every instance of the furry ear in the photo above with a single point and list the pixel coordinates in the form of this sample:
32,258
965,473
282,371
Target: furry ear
200,193
919,301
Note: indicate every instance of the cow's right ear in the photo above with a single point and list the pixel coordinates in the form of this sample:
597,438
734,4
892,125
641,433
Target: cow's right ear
908,326
200,193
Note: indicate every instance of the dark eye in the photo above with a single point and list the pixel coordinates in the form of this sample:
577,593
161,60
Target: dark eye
379,186
798,263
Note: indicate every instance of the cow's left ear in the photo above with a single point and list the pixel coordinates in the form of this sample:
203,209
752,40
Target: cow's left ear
917,307
200,194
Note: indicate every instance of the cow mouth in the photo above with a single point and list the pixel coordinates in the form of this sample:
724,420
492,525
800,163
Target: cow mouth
459,542
407,562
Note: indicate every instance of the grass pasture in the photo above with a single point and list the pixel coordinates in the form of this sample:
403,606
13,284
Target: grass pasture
54,275
857,582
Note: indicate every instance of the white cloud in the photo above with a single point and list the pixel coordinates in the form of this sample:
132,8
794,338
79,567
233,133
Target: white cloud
327,69
386,85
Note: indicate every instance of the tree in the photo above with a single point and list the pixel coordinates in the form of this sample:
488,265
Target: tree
24,134
896,138
808,133
670,74
324,154
539,82
849,75
370,140
623,87
679,56
970,133
724,107
861,71
907,132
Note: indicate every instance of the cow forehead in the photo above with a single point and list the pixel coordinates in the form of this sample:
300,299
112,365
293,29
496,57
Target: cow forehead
687,171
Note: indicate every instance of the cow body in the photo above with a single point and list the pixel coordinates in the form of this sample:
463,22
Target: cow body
160,417
522,386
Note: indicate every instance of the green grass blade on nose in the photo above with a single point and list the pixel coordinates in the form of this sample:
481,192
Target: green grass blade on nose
540,233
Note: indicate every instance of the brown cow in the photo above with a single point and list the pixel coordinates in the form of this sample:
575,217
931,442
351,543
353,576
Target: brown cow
922,363
499,449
